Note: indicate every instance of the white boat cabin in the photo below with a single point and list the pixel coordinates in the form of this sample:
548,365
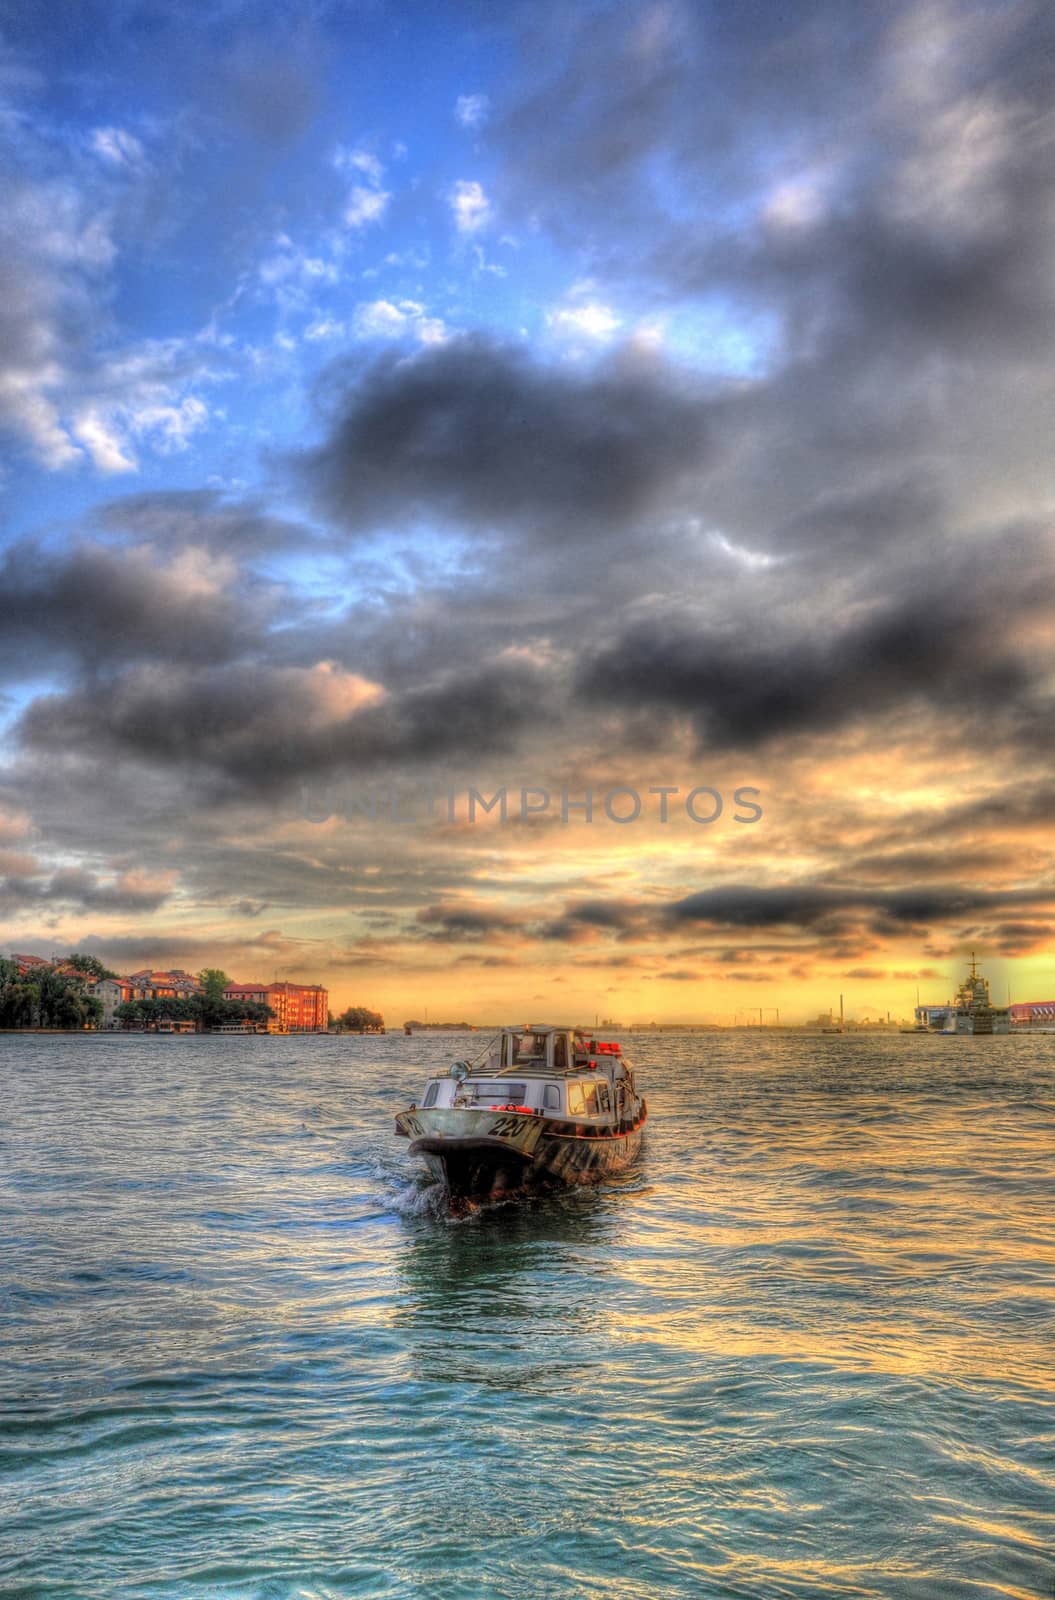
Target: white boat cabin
555,1072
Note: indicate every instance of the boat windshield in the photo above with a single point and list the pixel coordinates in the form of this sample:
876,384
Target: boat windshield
500,1093
528,1047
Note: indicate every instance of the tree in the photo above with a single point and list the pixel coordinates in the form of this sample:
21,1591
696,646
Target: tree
357,1019
214,981
90,966
196,1008
45,998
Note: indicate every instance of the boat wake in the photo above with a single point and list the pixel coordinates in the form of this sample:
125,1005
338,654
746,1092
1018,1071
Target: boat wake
409,1192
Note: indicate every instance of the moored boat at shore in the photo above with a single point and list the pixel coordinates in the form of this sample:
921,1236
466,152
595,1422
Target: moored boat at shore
546,1105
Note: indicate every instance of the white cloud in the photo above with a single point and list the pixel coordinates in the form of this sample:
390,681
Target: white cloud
324,328
483,265
472,110
594,320
67,398
365,206
752,559
366,199
169,428
379,319
107,431
101,439
470,205
364,161
382,319
417,259
650,333
291,266
117,146
430,330
27,409
796,203
55,245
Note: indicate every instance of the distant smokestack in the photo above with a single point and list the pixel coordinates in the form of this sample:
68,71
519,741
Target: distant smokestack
840,1008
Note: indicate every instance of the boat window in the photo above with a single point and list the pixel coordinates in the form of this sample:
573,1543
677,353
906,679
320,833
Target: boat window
604,1104
529,1047
551,1098
560,1053
582,1099
500,1093
430,1094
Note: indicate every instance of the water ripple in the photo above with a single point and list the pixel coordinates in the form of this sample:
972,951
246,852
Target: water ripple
805,1348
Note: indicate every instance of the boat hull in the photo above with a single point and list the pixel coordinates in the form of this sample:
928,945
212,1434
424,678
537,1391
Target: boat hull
511,1153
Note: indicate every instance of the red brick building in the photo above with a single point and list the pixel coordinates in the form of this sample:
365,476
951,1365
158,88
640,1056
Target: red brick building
1031,1013
298,1007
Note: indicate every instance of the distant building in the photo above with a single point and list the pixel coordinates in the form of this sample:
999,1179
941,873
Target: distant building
171,985
27,963
113,992
1031,1013
933,1017
298,1007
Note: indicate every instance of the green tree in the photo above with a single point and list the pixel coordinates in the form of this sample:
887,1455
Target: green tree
214,981
90,966
357,1019
46,998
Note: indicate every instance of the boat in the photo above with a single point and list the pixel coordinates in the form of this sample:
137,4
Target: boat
541,1107
972,1011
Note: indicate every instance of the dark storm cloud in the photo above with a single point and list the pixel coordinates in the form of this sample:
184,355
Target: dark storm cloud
1019,938
662,135
948,648
924,865
1024,806
844,922
458,921
582,919
804,906
480,434
171,519
99,607
608,88
78,889
259,729
129,951
876,183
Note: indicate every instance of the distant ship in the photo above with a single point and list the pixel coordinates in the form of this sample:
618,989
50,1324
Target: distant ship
972,1011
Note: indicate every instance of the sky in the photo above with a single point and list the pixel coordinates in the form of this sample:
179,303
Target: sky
408,403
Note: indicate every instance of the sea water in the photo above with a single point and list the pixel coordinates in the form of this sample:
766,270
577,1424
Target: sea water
804,1347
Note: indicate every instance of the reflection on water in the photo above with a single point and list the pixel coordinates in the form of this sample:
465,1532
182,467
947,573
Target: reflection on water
806,1347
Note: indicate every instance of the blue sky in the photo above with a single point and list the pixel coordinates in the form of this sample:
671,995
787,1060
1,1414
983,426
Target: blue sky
224,209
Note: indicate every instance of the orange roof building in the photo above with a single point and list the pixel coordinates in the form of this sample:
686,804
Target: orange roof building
298,1007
